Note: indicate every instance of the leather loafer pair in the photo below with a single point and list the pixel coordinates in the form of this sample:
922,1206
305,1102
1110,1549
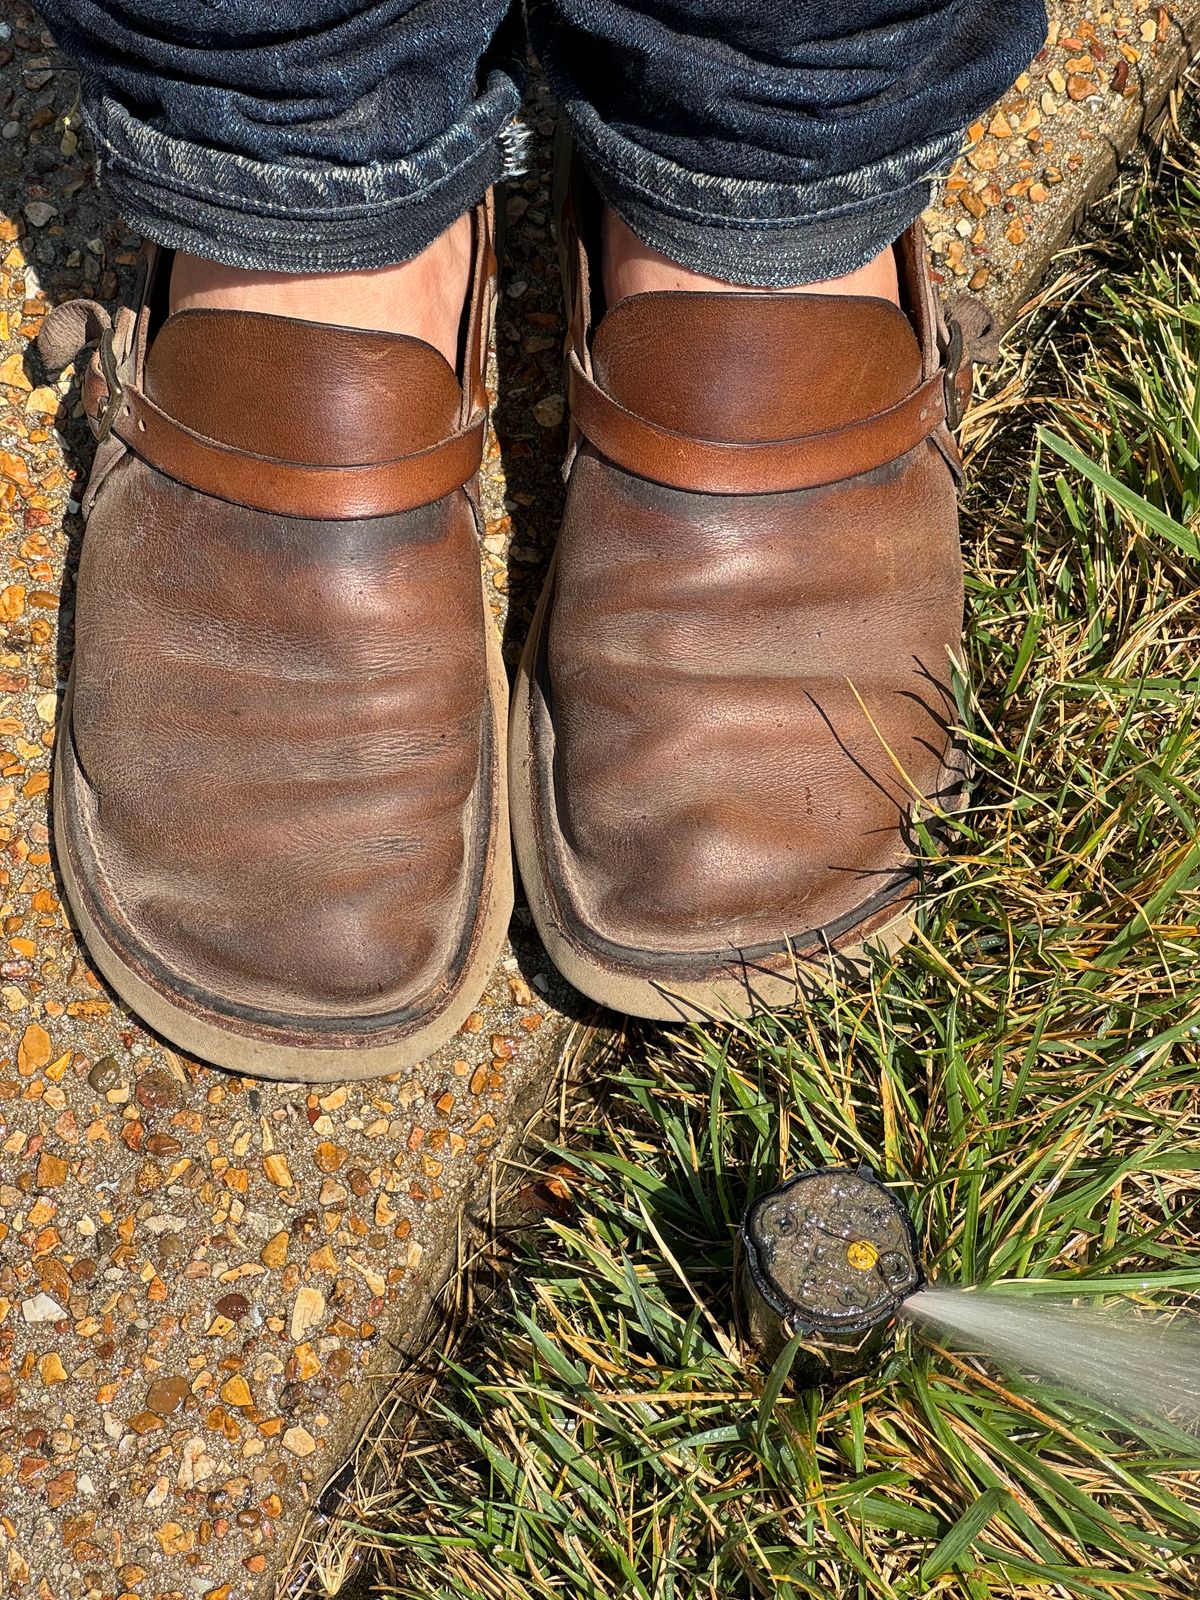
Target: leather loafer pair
281,797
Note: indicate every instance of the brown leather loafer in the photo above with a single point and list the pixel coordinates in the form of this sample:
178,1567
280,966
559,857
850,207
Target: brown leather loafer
280,800
736,693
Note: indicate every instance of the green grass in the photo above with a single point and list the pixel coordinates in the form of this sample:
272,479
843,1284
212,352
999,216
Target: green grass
1025,1075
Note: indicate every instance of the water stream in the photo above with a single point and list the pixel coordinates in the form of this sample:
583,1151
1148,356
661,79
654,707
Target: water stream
1138,1364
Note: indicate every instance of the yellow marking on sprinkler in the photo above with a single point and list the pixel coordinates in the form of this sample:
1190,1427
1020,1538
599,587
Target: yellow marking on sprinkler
862,1255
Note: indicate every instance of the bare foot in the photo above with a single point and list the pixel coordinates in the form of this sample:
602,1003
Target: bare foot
631,267
423,297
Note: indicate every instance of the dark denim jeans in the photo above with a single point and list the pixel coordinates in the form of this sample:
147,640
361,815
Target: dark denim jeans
764,141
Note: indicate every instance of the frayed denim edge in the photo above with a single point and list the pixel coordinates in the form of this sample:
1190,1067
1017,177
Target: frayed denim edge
292,218
766,235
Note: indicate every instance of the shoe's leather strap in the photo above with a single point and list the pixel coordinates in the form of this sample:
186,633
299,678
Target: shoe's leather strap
713,466
264,483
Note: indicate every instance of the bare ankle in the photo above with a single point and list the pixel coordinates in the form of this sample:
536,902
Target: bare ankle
631,267
422,297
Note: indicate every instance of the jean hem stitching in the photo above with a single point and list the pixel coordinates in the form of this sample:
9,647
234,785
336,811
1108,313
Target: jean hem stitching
121,163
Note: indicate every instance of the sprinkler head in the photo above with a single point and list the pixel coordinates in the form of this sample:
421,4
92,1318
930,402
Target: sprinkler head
830,1255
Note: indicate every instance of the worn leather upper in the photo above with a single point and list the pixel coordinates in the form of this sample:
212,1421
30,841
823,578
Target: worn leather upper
744,693
286,802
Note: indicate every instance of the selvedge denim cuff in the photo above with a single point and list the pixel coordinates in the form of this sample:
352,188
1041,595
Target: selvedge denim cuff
292,217
767,235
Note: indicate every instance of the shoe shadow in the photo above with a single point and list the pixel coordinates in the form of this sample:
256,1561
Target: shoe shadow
523,502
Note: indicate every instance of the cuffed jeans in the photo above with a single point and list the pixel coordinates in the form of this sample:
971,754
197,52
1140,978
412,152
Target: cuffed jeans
766,142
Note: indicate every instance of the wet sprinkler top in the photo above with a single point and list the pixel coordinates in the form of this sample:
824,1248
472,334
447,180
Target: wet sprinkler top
832,1251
